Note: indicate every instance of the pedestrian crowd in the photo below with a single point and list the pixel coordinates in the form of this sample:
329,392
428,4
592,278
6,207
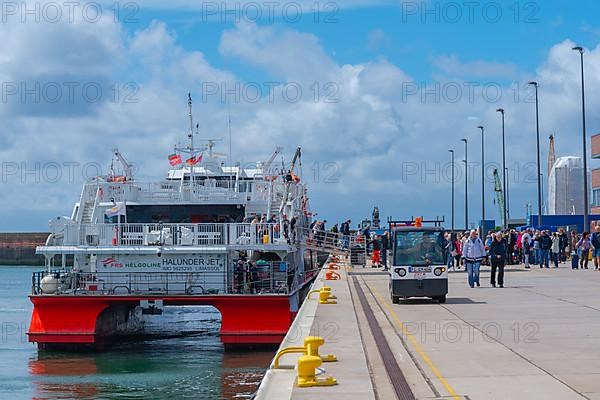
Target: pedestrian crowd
529,247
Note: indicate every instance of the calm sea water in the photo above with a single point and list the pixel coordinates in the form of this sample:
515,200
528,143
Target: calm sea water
184,360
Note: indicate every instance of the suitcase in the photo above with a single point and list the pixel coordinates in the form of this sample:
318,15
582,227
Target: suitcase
575,261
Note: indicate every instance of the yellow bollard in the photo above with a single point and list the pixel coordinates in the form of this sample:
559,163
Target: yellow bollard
287,350
328,290
307,376
325,296
312,344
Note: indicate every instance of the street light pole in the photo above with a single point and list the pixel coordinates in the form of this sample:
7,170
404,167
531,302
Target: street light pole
452,153
507,205
482,181
586,222
539,173
466,185
505,216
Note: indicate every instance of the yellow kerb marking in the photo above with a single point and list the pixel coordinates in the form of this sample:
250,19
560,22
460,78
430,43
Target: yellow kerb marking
416,345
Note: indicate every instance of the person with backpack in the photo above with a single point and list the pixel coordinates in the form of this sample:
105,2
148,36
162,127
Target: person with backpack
473,252
595,240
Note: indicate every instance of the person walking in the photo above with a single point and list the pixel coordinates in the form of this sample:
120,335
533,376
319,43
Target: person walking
450,250
498,251
595,240
584,246
545,246
526,243
564,243
555,248
574,251
473,252
537,254
376,258
385,245
458,247
345,230
488,242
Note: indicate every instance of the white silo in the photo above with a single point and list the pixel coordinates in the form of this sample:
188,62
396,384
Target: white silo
565,186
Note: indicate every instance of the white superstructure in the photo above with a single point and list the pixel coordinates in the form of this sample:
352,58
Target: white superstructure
205,219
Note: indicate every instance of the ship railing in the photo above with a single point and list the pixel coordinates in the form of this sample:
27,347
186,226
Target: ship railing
159,234
175,190
260,277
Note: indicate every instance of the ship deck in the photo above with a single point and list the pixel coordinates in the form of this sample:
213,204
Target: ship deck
534,339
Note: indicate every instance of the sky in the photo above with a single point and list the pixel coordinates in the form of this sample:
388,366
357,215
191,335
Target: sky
375,92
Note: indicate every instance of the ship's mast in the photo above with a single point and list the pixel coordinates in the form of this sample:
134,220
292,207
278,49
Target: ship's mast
191,137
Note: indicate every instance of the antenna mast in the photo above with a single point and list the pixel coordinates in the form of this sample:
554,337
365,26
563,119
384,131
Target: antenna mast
191,137
230,155
191,134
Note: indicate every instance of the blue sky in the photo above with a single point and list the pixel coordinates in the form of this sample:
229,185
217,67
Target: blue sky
380,138
522,35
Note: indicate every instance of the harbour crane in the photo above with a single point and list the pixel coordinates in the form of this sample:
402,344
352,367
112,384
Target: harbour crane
127,166
499,195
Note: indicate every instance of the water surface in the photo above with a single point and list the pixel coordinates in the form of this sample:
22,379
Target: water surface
184,360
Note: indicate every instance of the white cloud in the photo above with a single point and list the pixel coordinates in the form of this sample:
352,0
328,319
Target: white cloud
374,133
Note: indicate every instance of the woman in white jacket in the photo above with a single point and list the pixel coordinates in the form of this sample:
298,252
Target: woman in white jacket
473,252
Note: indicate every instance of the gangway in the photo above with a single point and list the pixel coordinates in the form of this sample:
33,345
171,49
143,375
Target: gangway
326,241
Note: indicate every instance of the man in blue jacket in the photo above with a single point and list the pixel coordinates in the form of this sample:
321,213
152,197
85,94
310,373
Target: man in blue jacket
473,252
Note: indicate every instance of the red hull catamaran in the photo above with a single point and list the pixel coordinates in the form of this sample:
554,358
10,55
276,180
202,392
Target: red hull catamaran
232,237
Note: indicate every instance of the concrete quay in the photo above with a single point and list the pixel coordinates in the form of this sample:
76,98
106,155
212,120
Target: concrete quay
536,338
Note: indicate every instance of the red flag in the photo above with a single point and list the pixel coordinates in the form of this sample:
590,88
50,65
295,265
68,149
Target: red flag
174,159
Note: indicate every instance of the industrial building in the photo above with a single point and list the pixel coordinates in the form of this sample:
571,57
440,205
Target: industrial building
565,183
595,203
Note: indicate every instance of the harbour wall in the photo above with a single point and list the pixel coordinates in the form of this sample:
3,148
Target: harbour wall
19,248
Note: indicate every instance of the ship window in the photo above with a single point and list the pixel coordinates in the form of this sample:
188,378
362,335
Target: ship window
114,219
178,214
